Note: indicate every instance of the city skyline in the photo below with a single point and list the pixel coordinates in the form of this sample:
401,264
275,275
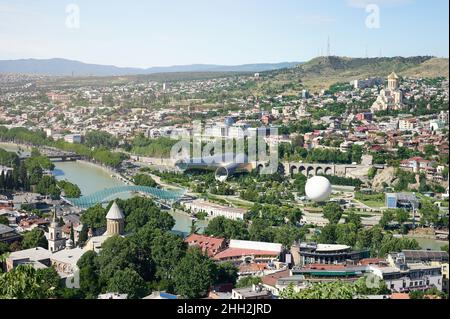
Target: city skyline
156,34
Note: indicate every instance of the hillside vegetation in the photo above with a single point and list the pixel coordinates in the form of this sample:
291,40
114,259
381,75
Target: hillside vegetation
322,72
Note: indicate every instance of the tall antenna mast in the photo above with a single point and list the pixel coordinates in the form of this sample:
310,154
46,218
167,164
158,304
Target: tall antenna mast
328,47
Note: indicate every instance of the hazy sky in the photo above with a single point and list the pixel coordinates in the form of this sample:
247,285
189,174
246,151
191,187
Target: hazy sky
174,32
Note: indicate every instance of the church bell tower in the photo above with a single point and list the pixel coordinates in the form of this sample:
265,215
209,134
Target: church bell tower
55,240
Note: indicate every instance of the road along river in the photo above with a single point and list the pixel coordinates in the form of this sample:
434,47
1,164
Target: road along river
92,178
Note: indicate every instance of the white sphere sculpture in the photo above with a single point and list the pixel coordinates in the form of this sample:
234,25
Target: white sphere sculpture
318,189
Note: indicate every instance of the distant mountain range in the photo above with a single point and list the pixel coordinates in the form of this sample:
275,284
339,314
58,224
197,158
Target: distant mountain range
64,67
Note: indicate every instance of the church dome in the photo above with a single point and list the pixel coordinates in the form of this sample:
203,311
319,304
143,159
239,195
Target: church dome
393,76
115,213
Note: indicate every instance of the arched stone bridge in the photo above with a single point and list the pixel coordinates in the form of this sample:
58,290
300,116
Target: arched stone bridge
310,169
313,169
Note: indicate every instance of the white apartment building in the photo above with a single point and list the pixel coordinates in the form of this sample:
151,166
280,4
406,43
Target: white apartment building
410,124
214,210
417,164
73,138
411,277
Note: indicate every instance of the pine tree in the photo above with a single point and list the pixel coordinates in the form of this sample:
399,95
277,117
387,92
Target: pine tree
2,180
72,234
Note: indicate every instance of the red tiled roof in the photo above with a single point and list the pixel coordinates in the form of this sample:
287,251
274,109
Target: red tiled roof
33,221
417,159
239,252
271,280
370,261
252,267
66,228
211,245
324,267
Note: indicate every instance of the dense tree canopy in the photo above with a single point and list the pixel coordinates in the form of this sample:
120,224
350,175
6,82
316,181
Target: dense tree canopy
227,228
71,190
140,211
94,217
194,274
101,139
333,212
144,180
25,282
127,281
34,238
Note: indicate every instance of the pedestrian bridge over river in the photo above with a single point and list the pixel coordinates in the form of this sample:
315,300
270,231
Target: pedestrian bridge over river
161,196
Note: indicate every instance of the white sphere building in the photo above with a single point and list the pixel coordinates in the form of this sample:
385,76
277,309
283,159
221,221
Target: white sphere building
318,189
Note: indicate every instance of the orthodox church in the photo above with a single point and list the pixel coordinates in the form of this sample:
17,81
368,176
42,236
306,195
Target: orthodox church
390,98
115,225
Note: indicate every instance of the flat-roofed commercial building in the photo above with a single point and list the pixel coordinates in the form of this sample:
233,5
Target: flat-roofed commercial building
8,235
255,292
312,253
323,273
402,200
37,257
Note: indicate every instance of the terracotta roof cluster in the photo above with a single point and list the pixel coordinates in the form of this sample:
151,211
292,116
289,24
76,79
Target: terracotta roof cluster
210,245
253,267
271,280
26,223
67,228
371,261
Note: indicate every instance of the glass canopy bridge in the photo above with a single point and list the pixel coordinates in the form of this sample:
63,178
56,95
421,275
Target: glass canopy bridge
161,196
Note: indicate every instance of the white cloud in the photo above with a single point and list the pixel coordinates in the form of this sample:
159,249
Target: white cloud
364,3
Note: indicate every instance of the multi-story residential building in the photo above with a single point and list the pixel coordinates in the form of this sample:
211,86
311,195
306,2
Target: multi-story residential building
410,124
73,138
417,164
366,116
404,277
426,257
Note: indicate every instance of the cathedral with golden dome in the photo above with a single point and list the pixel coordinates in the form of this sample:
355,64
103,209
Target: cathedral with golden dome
390,98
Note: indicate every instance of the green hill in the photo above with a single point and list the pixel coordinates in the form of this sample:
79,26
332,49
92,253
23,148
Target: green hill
322,72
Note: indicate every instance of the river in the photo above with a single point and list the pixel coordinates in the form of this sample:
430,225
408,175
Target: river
91,178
